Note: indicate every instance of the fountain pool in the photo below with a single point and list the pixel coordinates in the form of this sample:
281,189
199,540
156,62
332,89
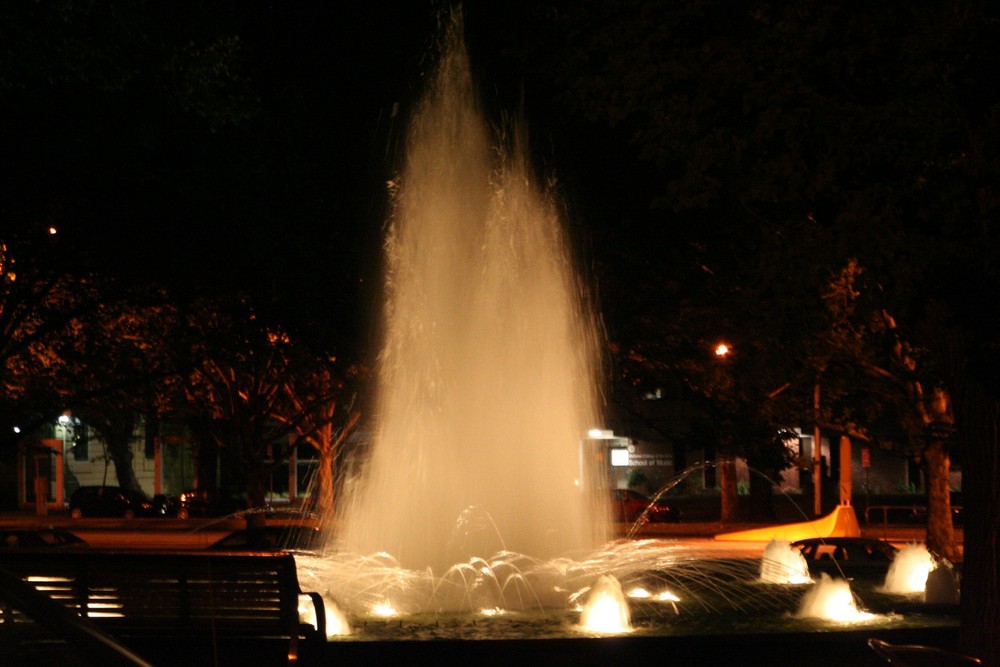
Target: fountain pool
677,597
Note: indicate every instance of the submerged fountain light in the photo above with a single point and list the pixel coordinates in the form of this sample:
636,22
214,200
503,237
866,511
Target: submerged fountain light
337,624
832,600
606,610
639,593
384,609
909,570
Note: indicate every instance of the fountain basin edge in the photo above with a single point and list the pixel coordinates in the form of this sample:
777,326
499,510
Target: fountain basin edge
813,649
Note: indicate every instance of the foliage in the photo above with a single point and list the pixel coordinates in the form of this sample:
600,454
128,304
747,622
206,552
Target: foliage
41,314
826,171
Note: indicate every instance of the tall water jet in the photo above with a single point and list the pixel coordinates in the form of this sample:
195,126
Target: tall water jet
487,366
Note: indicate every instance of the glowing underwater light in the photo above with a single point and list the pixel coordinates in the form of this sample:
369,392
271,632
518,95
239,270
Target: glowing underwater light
909,570
606,610
384,609
832,600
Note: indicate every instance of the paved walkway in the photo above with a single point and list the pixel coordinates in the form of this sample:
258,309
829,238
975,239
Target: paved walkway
196,533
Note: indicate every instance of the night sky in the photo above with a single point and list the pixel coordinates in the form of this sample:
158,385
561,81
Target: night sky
271,176
272,183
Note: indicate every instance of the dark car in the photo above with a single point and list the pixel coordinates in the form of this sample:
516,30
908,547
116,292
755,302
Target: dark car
111,501
273,538
205,503
38,538
629,506
847,556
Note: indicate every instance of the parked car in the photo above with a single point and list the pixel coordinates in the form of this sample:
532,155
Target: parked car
204,503
272,538
847,556
38,538
112,501
628,506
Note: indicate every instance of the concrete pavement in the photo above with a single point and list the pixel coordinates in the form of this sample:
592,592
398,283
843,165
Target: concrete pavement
198,533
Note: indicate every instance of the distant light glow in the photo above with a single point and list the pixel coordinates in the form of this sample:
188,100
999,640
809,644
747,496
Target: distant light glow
722,350
619,457
52,231
17,429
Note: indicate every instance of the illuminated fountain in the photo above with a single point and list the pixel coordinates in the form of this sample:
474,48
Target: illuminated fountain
487,371
479,514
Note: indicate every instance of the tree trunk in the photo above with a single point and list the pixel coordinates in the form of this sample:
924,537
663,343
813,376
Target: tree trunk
727,488
324,494
118,438
978,417
940,529
761,497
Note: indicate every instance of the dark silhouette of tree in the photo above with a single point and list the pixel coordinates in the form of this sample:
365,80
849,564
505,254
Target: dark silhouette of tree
41,309
234,388
839,132
120,359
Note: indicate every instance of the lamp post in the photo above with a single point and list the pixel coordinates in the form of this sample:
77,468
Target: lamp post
817,455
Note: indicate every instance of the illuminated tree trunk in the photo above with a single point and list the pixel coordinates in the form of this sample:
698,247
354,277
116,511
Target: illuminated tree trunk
324,492
936,426
327,443
938,420
940,529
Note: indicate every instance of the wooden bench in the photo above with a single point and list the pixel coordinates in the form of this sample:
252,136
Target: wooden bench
192,607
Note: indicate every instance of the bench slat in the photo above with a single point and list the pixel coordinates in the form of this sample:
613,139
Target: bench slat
182,594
